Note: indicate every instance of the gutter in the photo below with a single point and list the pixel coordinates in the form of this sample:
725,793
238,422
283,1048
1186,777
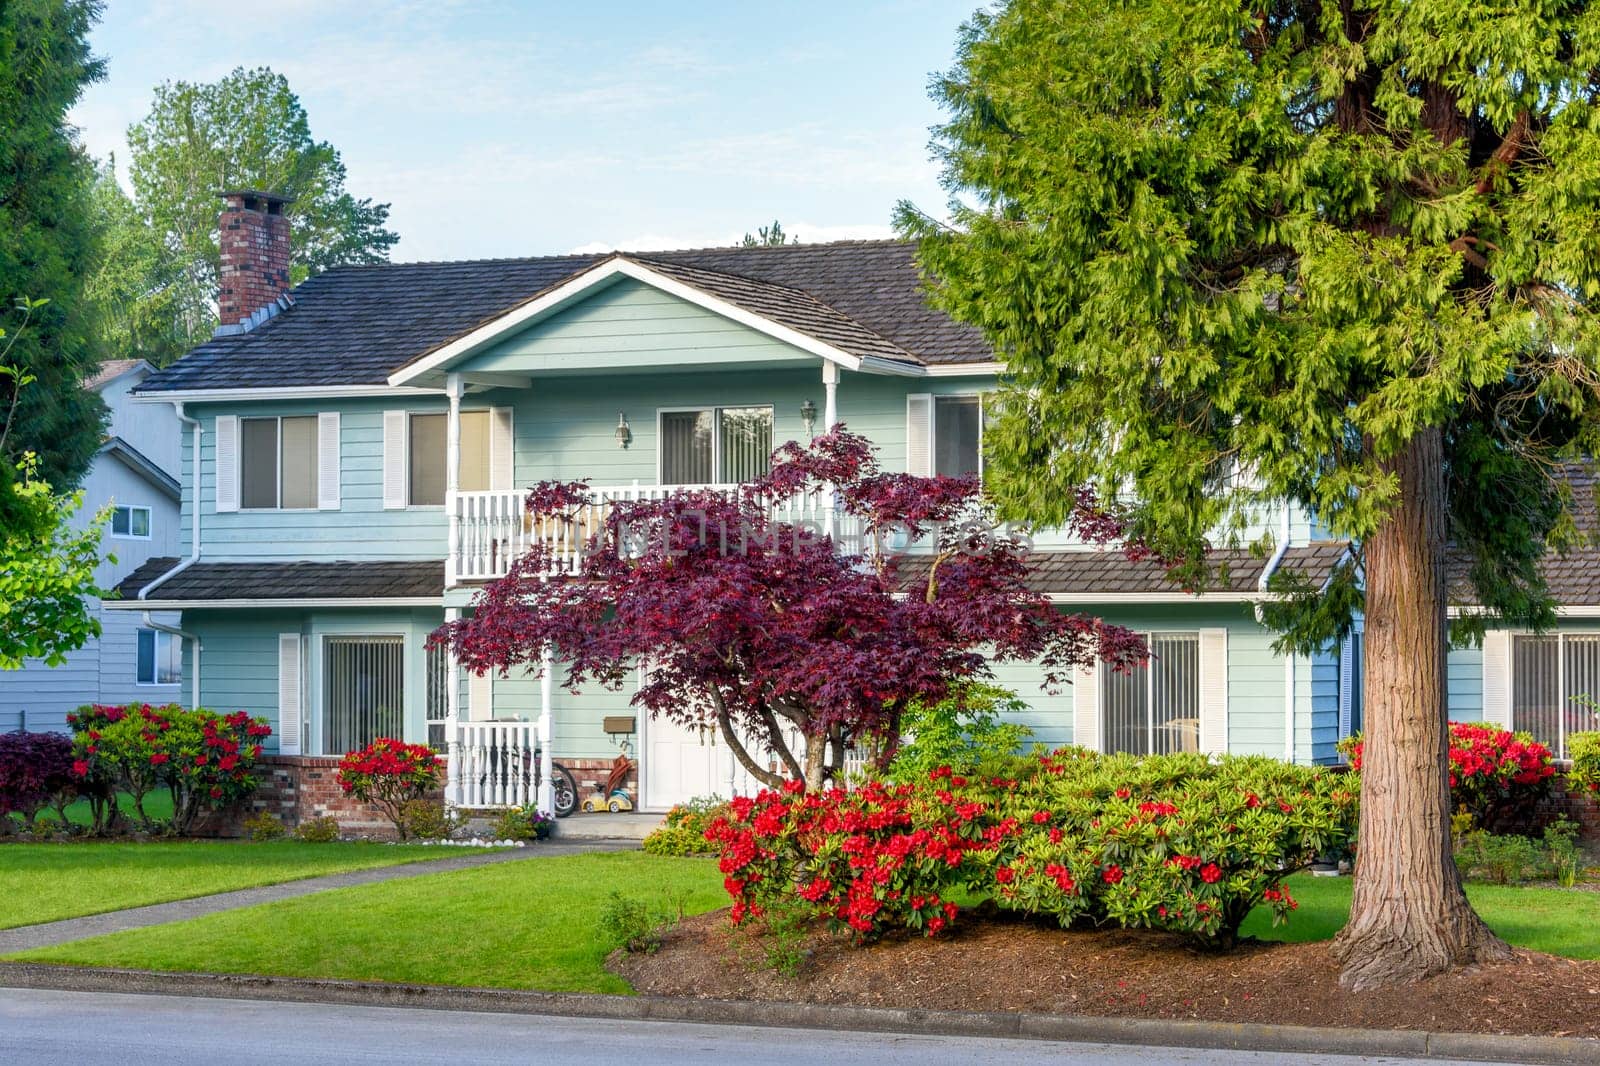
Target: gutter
193,557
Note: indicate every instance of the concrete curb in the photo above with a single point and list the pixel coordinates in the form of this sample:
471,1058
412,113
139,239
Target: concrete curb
1071,1028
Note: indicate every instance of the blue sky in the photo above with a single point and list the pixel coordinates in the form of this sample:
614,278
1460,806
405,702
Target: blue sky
506,129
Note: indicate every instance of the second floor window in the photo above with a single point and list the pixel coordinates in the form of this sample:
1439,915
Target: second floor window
428,448
957,435
130,522
278,463
715,445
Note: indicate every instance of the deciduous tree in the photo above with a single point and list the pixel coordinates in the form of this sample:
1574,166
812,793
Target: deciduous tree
1340,253
751,626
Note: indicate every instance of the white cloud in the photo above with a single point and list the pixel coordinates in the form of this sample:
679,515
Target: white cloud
807,232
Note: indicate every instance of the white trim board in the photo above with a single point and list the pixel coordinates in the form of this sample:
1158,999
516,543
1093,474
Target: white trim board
605,273
233,604
296,392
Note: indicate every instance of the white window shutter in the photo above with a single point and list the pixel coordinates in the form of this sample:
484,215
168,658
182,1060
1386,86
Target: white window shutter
1214,691
1497,678
291,716
919,434
328,460
227,463
480,697
1086,706
501,458
394,460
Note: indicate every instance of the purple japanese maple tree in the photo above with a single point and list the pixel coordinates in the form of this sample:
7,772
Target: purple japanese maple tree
755,626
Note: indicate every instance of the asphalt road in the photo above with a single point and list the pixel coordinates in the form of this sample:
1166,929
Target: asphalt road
43,1028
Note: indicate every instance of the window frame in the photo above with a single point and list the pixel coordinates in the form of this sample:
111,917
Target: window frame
716,410
149,521
488,412
1149,636
323,640
277,463
1559,749
933,428
155,658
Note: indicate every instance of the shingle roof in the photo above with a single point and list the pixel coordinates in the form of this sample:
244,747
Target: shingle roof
357,325
110,370
1111,573
286,581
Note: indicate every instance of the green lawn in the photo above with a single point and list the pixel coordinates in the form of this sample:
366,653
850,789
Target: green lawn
531,924
1544,919
47,882
535,925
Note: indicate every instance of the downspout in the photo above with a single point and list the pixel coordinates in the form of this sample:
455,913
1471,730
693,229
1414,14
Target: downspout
1288,660
192,558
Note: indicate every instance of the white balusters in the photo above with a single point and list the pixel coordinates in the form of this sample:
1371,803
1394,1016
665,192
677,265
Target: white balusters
495,763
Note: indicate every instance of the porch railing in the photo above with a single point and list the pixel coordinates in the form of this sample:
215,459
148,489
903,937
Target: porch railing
489,530
492,764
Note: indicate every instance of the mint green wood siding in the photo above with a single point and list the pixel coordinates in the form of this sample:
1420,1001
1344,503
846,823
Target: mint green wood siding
631,325
239,660
359,530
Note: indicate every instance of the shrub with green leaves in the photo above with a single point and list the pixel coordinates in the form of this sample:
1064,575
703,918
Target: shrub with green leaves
524,823
632,924
1175,842
263,827
683,832
1585,751
319,830
964,731
426,819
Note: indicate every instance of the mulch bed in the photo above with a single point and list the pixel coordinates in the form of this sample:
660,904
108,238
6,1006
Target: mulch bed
1002,963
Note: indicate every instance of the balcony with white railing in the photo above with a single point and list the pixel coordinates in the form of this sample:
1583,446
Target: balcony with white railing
490,530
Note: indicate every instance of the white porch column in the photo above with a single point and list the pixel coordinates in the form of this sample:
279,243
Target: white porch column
452,719
547,790
830,415
452,474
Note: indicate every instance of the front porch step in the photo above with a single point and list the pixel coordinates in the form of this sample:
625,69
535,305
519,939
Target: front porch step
603,825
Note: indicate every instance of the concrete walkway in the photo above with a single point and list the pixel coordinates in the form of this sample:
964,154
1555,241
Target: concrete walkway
48,934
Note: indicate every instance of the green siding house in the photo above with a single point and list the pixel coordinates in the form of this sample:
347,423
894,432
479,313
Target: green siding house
356,454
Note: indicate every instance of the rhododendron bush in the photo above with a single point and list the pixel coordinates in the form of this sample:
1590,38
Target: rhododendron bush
1497,776
754,626
204,759
389,774
1174,842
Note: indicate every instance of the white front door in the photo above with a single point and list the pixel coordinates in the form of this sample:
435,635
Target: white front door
681,763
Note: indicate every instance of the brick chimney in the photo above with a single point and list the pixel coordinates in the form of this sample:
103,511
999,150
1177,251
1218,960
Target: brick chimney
254,240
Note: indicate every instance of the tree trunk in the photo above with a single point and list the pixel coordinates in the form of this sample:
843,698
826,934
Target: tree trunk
816,760
1409,917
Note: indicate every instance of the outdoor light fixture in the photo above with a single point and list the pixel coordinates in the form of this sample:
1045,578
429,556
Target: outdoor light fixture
624,434
808,415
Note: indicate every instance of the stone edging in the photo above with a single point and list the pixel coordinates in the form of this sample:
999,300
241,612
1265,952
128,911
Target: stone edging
1081,1029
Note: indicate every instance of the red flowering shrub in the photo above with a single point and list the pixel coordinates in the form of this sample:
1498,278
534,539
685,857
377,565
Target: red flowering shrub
1585,750
1174,842
390,773
870,859
1497,776
34,769
204,759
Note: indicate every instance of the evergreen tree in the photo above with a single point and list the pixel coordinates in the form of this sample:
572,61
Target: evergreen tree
46,243
768,237
1339,253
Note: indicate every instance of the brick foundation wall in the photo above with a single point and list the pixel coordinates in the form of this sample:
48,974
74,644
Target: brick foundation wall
298,788
1580,807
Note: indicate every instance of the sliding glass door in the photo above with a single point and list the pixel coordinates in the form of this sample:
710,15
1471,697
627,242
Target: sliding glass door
715,445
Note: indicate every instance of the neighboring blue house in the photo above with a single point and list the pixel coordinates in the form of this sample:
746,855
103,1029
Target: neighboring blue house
358,452
135,658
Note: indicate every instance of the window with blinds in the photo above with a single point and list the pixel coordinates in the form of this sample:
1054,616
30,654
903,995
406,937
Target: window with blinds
364,683
715,445
1155,710
1554,680
278,462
